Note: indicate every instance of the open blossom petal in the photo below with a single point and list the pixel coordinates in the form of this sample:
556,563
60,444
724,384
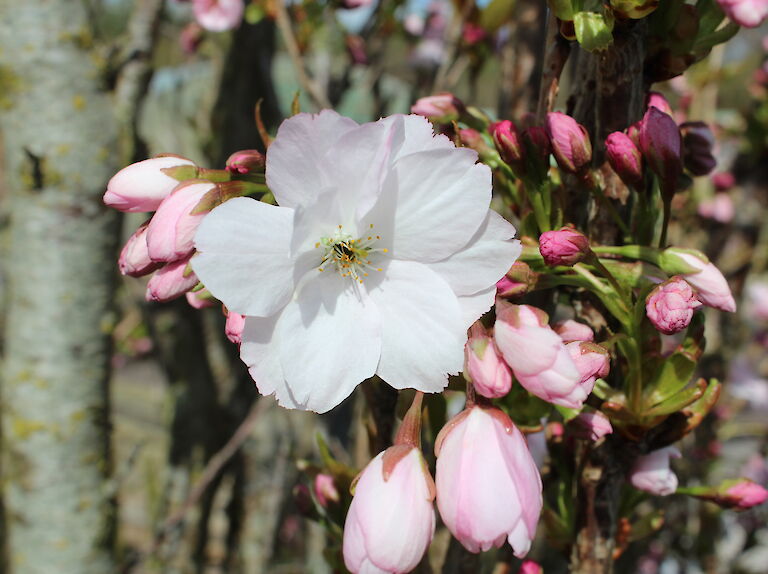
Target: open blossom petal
296,159
414,134
327,308
489,249
476,305
422,330
244,256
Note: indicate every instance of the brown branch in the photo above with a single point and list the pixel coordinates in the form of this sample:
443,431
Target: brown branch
556,52
286,31
452,45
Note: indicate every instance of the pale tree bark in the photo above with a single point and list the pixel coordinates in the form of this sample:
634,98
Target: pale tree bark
60,138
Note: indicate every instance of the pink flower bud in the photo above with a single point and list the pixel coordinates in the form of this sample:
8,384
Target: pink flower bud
233,327
508,143
488,486
570,330
171,281
530,567
142,186
563,247
134,258
473,140
440,108
591,426
325,490
218,15
658,101
710,285
670,305
651,473
537,141
519,280
720,208
633,133
625,158
483,364
592,361
570,142
537,356
661,145
747,13
744,494
391,520
246,161
698,143
201,299
171,232
724,180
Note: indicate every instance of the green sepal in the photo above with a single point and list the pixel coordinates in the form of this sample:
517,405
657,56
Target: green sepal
181,172
594,31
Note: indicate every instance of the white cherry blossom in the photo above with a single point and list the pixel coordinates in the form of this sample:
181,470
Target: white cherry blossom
381,254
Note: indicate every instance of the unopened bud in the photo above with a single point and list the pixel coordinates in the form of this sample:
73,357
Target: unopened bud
563,247
520,279
625,158
570,142
657,100
508,144
246,161
698,143
670,306
440,108
661,145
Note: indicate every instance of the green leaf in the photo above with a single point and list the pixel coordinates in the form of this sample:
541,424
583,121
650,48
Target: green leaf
674,375
679,401
593,30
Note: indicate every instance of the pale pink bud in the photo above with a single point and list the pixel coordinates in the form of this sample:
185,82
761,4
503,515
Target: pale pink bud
218,15
142,186
570,330
592,361
537,356
233,327
325,490
657,100
661,145
565,246
719,208
570,142
747,13
171,281
625,158
201,299
710,285
724,180
484,366
591,426
246,161
134,258
670,305
171,232
440,108
508,143
488,486
745,494
519,280
530,567
651,473
698,144
391,520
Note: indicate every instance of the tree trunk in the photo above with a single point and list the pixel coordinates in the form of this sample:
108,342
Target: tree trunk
60,137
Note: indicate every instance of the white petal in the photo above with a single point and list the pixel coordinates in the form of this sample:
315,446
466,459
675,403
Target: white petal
330,340
484,260
244,256
413,134
260,350
432,203
422,330
296,158
476,305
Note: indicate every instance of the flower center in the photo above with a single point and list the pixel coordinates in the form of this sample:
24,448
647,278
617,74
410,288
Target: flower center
349,255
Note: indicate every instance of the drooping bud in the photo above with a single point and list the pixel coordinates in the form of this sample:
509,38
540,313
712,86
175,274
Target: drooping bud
747,13
171,281
625,159
440,108
143,185
530,567
246,161
508,144
171,231
661,145
651,473
483,364
134,258
570,142
698,143
670,305
488,486
706,279
201,299
565,246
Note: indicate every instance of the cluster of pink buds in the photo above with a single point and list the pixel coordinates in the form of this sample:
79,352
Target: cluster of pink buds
747,13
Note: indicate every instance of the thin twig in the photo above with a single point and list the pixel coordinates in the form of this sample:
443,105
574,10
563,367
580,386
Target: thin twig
451,46
556,53
286,31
